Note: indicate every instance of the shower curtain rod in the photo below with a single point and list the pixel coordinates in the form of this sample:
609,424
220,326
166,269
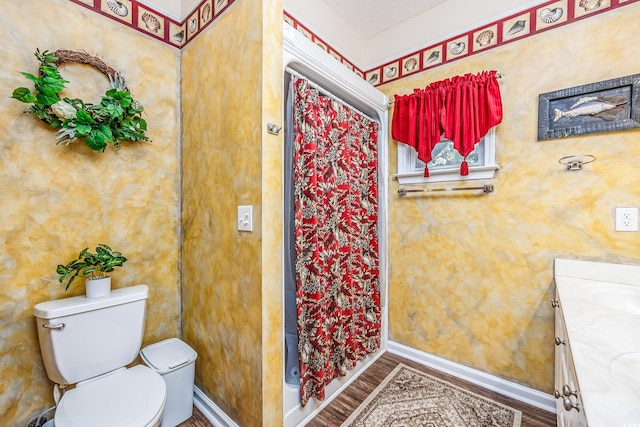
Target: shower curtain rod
325,92
489,188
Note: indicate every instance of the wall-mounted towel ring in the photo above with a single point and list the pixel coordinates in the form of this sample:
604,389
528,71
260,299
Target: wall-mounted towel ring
575,161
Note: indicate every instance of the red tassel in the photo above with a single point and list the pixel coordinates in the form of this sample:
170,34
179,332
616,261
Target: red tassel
426,172
464,168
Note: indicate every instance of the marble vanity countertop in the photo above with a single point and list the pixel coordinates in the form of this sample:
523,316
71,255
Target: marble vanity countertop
602,317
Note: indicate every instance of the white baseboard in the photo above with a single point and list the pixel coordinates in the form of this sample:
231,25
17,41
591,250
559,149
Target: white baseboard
507,388
210,410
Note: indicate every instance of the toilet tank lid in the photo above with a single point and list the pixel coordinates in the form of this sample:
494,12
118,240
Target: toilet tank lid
80,304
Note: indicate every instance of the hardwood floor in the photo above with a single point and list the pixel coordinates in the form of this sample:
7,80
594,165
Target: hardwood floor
342,406
196,420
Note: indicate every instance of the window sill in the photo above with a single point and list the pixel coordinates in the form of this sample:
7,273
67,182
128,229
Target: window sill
450,174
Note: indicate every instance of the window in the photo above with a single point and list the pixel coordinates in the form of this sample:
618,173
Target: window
445,162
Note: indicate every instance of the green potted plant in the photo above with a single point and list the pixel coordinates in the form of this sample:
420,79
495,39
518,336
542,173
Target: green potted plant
94,268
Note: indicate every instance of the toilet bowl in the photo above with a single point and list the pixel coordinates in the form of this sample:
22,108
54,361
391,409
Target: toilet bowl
89,342
133,397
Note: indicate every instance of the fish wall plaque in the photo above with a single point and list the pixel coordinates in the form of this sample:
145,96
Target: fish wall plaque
607,106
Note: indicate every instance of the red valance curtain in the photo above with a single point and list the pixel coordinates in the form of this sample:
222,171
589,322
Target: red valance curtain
462,109
335,171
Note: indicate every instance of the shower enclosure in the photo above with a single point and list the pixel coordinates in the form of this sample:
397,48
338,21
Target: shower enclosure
303,58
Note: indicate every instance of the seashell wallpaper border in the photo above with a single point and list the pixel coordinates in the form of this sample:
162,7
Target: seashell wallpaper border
143,18
526,23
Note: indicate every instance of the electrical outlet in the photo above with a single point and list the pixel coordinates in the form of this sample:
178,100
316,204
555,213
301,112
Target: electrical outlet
245,218
626,219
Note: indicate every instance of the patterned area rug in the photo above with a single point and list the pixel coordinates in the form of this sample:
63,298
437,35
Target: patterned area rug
410,398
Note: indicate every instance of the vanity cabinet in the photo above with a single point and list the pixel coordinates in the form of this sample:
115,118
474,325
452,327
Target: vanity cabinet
597,343
569,405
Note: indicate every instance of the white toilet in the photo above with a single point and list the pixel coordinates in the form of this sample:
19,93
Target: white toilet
88,342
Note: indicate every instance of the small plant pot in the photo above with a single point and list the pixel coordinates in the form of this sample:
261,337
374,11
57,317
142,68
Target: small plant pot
98,288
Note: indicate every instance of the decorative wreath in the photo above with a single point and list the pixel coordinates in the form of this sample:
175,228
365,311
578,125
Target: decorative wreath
117,117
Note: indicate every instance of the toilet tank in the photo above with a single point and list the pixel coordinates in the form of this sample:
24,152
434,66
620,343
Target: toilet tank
81,338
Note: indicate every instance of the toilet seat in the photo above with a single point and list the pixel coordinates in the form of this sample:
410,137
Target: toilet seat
132,397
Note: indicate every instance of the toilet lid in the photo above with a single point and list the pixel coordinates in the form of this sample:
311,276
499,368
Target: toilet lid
127,398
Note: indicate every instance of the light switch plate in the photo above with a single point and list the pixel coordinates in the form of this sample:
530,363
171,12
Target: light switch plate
245,218
626,219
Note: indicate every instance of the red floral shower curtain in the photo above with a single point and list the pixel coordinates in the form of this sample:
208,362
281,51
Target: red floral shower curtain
336,237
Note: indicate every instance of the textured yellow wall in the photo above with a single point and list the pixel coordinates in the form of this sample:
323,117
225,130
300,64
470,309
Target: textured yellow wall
221,294
272,216
471,277
55,200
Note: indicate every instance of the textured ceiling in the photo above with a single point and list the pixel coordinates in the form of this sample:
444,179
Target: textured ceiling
178,10
370,17
371,32
367,18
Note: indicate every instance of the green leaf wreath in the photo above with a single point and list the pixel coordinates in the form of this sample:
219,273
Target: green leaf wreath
116,118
